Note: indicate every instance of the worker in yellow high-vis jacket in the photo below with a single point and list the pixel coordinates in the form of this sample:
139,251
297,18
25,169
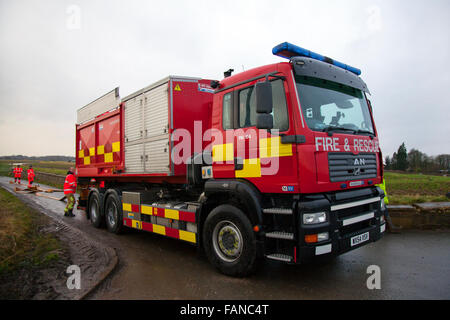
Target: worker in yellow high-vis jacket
70,187
390,226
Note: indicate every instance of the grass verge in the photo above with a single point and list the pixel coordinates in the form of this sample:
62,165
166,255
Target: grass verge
24,248
405,188
411,199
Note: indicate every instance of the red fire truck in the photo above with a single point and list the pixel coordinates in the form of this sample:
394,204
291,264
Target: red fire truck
277,162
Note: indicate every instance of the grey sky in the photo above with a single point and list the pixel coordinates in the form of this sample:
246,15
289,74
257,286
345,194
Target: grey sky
57,56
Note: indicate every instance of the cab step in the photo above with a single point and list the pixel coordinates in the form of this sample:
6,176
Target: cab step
278,211
280,257
280,235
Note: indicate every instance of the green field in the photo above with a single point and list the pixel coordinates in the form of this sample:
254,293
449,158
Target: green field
55,167
405,188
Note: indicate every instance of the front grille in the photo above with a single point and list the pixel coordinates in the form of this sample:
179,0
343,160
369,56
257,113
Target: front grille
358,208
352,211
347,166
354,228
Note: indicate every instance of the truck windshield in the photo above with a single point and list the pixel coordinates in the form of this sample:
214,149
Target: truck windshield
331,106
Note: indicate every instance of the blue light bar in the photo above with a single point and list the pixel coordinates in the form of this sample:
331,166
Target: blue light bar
288,50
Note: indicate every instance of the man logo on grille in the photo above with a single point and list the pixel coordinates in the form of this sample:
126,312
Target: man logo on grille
357,172
360,162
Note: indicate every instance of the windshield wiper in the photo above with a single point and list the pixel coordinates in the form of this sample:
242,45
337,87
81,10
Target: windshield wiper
370,133
328,129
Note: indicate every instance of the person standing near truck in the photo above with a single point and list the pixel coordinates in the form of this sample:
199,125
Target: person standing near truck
390,226
17,173
70,187
31,175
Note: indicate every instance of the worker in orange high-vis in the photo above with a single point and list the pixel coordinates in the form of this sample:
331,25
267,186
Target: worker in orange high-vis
70,187
30,173
17,173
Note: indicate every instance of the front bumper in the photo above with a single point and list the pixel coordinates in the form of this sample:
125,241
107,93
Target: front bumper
354,219
336,245
348,218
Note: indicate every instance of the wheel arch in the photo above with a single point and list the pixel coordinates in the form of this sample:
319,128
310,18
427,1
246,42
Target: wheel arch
239,193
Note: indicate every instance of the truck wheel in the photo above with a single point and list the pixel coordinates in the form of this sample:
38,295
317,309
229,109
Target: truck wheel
113,214
229,241
95,211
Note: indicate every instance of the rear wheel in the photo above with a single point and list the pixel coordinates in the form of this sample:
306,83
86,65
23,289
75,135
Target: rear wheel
95,210
113,213
229,241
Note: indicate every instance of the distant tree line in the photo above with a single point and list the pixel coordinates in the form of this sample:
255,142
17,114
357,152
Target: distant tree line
43,158
417,161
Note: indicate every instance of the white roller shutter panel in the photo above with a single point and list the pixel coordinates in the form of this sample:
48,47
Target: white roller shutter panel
134,158
156,109
133,119
157,156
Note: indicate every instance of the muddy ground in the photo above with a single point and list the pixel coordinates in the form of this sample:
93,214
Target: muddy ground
44,281
50,282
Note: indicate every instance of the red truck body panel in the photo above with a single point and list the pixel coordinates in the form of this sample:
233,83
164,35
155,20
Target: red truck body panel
191,106
96,155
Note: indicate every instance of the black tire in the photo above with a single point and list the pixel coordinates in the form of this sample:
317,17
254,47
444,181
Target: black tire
95,210
229,241
113,213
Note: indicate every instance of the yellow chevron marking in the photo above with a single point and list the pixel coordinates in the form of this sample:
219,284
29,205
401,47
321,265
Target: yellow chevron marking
272,147
109,157
252,169
187,236
159,229
146,210
100,150
116,146
223,152
126,206
171,214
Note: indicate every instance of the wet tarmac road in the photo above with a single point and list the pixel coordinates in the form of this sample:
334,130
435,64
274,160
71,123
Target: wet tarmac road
414,265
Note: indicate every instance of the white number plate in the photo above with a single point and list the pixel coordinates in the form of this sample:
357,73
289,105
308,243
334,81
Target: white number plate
359,239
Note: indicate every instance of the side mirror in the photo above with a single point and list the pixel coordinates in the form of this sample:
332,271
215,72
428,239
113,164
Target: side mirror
263,95
264,121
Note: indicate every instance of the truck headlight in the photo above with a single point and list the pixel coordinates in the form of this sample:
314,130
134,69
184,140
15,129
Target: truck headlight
314,218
